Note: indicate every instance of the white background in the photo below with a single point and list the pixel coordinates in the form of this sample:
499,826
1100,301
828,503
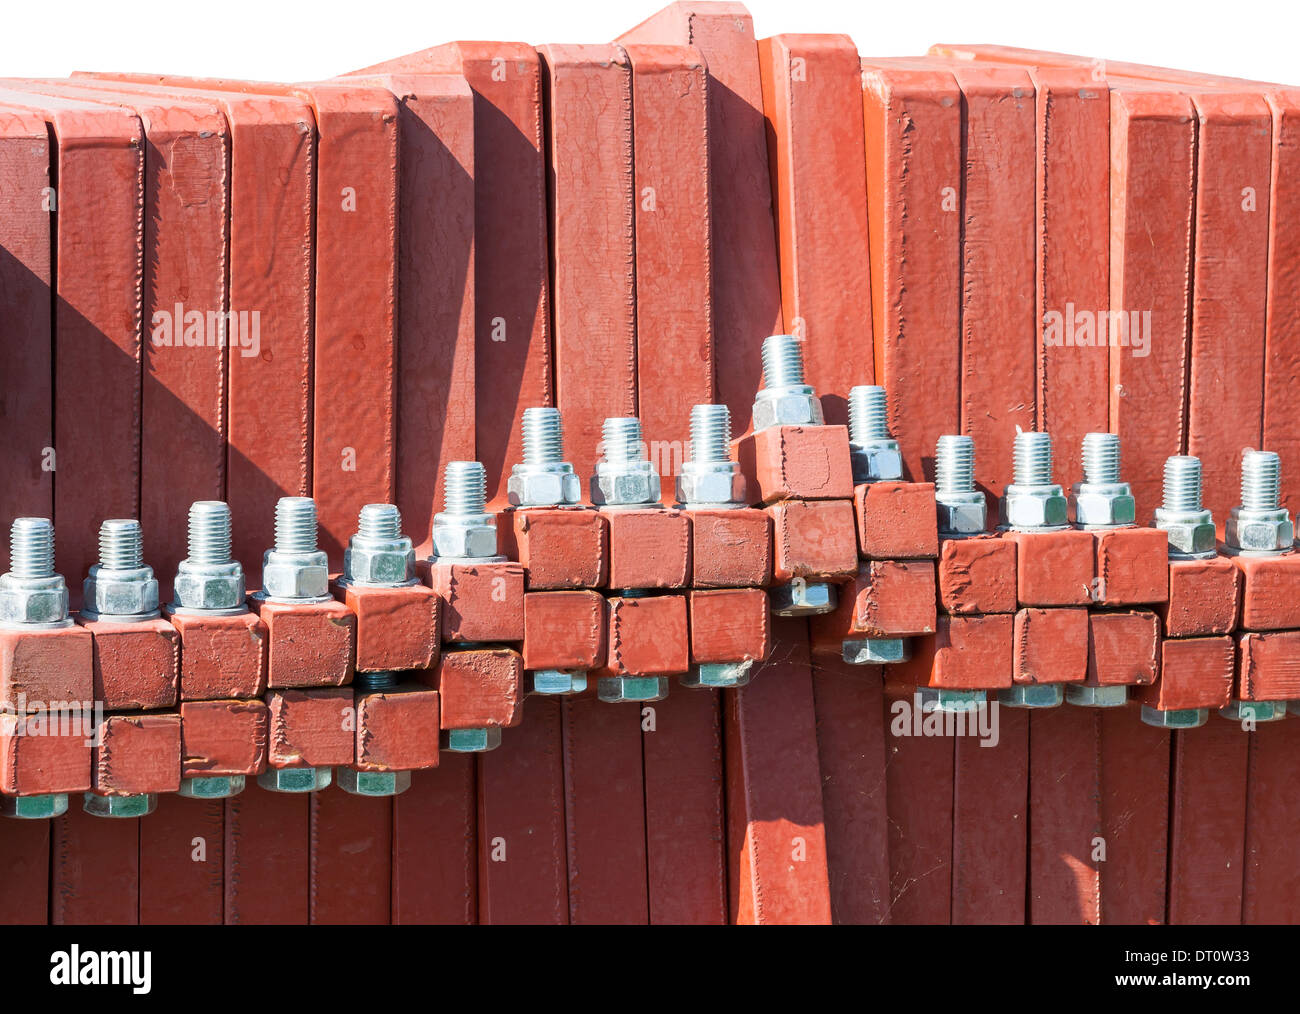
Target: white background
277,40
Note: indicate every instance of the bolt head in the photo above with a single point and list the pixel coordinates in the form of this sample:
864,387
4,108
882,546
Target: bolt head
216,587
1258,531
1030,507
473,536
877,461
558,682
33,600
390,566
212,786
962,513
295,779
1102,506
1191,534
875,651
120,592
802,598
943,699
373,783
626,484
1179,718
122,807
623,689
471,740
534,487
697,486
41,807
295,575
787,407
1096,697
1032,695
1254,711
718,675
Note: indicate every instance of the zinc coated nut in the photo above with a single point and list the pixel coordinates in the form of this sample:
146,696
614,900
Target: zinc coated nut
212,786
544,478
558,682
1102,501
1032,695
31,593
296,570
785,399
1254,711
123,807
955,701
718,675
874,454
40,807
1178,718
875,650
802,598
623,689
1180,515
295,779
1096,697
373,783
471,740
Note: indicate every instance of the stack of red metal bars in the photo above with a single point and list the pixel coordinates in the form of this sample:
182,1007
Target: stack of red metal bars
240,291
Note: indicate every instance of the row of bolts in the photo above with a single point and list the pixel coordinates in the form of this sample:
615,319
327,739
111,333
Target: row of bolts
209,538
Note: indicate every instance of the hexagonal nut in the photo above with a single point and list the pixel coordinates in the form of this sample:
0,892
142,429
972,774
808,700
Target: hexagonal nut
624,487
952,701
366,565
295,779
803,598
1178,718
697,486
624,689
1248,712
532,487
1034,507
211,786
476,540
120,807
962,513
1189,534
718,675
1032,695
787,409
1093,507
41,807
1096,697
558,682
879,461
373,783
875,651
471,740
209,589
284,578
33,601
120,592
1258,531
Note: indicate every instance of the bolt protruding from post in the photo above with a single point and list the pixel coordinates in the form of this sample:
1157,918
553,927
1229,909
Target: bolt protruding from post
868,414
1182,483
621,440
782,361
1261,481
464,488
1033,459
121,544
295,524
31,548
543,436
1101,458
379,522
209,533
710,433
954,464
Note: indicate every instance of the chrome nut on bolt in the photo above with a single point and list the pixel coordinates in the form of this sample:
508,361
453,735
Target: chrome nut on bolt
802,597
1189,526
872,451
1033,503
295,570
379,555
208,580
1101,500
709,478
31,593
625,477
465,530
544,479
1260,526
785,399
121,588
962,508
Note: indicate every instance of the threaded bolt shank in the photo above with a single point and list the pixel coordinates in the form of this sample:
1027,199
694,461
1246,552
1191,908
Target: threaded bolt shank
954,464
1033,459
295,525
465,488
710,433
1182,485
121,545
381,522
868,419
621,438
31,548
1101,458
782,361
1261,481
543,436
209,532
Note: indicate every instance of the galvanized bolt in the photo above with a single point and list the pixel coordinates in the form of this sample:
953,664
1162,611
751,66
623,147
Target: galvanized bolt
1033,502
544,479
465,530
785,400
1189,526
121,588
295,570
961,507
379,555
625,478
208,581
1102,501
873,452
1260,526
710,480
32,595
